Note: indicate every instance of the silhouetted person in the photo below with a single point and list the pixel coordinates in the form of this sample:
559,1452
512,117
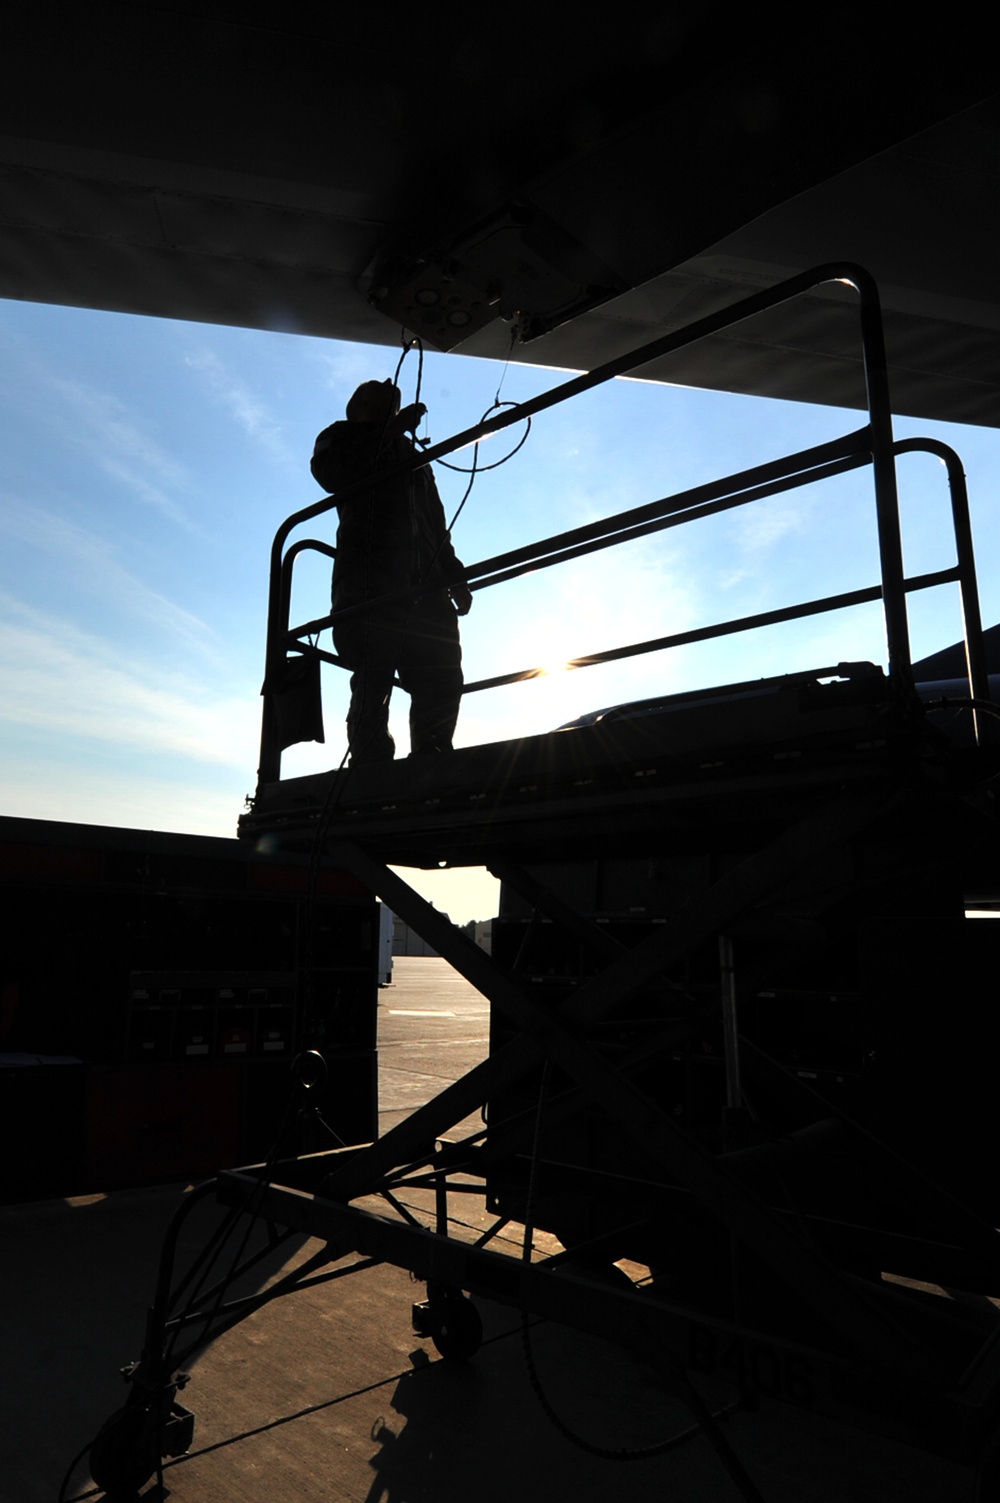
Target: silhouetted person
392,537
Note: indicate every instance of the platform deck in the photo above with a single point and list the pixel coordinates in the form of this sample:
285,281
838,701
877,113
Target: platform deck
637,780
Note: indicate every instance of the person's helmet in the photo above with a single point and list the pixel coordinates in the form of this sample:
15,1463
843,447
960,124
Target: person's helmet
373,402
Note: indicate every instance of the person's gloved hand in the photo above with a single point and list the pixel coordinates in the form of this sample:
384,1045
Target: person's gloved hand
408,419
461,596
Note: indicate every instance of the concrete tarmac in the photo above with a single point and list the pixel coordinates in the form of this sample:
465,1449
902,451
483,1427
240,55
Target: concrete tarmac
326,1396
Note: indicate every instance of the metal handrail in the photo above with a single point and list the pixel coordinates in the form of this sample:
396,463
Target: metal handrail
880,447
962,573
834,458
726,494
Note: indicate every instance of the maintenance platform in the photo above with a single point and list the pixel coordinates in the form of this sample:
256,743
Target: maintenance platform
739,1097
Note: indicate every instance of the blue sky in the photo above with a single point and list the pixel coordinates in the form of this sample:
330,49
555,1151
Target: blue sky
147,464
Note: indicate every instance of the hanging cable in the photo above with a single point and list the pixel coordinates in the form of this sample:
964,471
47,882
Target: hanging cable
412,342
462,469
506,364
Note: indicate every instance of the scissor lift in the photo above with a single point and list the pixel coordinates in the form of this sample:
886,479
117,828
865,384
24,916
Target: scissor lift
738,1032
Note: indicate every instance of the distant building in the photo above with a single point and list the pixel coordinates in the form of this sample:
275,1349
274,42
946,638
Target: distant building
406,941
386,924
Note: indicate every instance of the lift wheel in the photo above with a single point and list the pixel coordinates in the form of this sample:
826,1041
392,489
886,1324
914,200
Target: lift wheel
131,1442
450,1319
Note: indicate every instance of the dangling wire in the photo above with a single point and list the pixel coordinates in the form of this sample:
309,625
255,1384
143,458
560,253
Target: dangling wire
495,406
467,493
506,364
475,467
411,342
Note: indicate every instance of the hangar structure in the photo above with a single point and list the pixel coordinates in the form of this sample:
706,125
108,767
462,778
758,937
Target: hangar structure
237,163
738,1034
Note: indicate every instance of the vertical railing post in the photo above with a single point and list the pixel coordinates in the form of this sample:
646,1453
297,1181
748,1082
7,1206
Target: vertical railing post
968,584
886,493
972,620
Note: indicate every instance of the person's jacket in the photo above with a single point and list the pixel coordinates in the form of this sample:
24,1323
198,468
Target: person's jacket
392,534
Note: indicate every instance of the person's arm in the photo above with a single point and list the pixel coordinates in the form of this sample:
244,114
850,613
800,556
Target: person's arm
447,559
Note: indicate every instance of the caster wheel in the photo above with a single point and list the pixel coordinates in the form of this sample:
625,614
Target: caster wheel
125,1453
458,1332
130,1444
452,1322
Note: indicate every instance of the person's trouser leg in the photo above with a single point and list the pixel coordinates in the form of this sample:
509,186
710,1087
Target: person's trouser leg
368,647
431,673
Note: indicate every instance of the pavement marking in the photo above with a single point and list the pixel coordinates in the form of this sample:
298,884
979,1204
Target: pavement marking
420,1012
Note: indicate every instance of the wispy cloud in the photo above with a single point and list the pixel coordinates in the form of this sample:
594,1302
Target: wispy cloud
245,407
95,567
64,681
755,532
351,365
100,425
764,525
